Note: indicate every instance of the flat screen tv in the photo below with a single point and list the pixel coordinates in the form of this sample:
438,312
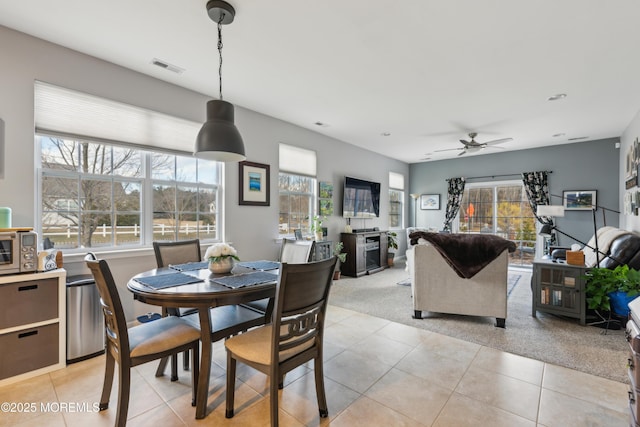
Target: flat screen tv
361,198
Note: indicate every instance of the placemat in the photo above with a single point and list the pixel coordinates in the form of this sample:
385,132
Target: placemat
240,280
190,266
260,265
167,280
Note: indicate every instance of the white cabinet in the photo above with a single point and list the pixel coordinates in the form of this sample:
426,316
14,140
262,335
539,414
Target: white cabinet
32,324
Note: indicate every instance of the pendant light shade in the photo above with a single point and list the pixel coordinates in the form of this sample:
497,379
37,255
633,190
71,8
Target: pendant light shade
219,138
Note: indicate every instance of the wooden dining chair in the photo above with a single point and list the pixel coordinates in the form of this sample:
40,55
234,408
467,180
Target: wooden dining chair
294,336
226,320
139,344
292,252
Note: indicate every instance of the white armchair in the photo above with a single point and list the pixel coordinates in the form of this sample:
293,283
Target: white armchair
436,286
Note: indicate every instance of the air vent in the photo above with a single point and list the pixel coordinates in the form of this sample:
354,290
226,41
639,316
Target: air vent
163,64
578,138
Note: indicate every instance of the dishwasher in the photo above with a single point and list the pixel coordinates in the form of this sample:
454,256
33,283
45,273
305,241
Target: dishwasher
85,321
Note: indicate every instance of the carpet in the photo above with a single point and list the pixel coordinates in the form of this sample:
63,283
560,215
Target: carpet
549,338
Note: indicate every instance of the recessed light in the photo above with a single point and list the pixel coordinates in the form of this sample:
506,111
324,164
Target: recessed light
557,135
557,97
385,134
164,64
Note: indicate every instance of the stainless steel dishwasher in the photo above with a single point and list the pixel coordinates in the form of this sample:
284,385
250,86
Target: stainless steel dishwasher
85,321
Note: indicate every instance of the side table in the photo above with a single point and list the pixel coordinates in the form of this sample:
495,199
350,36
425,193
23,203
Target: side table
559,288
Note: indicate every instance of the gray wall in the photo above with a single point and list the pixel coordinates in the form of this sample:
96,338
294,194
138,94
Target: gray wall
253,230
580,166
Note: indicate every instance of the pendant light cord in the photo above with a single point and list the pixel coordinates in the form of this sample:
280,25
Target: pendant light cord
220,53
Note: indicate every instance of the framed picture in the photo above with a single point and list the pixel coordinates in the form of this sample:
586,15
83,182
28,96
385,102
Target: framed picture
430,201
326,207
254,184
325,190
579,200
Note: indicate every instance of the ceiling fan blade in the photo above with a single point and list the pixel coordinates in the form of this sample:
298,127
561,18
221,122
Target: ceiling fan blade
448,149
463,153
498,141
465,142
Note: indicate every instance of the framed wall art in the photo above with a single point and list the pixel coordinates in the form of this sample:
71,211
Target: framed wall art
325,198
583,200
254,184
430,201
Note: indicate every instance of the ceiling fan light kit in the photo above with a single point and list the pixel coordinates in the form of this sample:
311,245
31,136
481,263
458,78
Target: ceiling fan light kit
473,146
219,139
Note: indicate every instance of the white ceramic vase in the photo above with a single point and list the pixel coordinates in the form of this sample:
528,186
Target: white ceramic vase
221,267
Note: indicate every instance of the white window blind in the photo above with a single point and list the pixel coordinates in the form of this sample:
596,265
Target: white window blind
297,160
396,181
74,114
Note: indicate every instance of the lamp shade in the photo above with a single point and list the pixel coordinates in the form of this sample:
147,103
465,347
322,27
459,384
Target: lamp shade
550,210
219,139
546,230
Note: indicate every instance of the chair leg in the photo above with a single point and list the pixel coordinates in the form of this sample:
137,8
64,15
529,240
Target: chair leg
320,394
185,360
161,366
417,314
174,367
500,322
231,384
195,372
108,381
123,394
273,398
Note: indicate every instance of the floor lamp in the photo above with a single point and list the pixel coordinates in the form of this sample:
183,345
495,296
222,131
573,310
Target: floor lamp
415,196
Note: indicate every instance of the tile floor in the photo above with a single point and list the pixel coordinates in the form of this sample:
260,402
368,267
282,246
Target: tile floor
378,373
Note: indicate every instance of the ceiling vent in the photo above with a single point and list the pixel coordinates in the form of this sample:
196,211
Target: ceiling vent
163,64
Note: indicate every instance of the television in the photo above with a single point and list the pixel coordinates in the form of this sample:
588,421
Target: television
361,198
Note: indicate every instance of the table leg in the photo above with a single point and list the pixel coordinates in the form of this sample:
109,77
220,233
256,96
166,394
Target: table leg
205,363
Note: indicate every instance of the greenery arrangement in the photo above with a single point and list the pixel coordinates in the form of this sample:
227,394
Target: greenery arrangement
392,240
337,251
316,223
603,281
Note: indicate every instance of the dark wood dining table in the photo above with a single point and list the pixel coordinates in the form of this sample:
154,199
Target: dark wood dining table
203,295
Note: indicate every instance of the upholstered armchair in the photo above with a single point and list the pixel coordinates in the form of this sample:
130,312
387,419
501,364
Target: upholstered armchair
438,287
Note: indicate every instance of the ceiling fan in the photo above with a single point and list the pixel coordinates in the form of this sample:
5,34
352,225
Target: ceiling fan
472,146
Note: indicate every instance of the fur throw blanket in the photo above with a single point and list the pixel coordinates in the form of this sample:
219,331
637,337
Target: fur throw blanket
467,254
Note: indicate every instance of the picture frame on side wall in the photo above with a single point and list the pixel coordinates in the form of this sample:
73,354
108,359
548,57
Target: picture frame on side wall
583,200
430,202
254,184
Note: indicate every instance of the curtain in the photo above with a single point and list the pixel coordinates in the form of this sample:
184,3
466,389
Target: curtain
537,189
454,197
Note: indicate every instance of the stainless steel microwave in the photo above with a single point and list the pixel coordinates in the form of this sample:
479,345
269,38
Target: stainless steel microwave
18,252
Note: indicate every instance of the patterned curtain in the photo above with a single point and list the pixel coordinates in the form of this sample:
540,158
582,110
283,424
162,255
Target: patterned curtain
454,197
537,189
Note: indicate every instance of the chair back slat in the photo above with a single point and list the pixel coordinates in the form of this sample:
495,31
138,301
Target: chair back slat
114,319
301,301
179,252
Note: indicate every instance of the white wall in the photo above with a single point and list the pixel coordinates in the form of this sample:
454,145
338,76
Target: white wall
252,229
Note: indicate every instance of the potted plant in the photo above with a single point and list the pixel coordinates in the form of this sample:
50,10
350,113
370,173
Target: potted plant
316,226
392,245
610,290
342,256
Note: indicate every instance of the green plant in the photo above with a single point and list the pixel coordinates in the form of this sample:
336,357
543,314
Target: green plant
602,281
337,251
392,240
316,223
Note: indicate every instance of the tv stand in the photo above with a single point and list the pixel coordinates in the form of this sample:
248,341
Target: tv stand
366,252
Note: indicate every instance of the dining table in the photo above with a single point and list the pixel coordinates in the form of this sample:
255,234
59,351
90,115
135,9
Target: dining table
193,285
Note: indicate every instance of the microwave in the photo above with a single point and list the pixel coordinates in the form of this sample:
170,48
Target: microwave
18,252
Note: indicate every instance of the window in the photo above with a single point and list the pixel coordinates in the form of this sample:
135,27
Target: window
105,195
501,209
396,200
296,188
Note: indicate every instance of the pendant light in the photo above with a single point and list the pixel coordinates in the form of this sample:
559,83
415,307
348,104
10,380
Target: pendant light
219,138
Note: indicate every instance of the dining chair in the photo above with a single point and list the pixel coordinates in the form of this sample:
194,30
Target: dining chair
294,336
292,252
226,320
140,344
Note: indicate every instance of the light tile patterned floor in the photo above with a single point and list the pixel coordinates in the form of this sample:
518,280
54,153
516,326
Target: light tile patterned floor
378,373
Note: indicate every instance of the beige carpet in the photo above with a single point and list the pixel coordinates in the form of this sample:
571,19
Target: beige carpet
557,340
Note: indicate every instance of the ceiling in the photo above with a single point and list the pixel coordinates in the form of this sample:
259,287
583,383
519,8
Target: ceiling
425,72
